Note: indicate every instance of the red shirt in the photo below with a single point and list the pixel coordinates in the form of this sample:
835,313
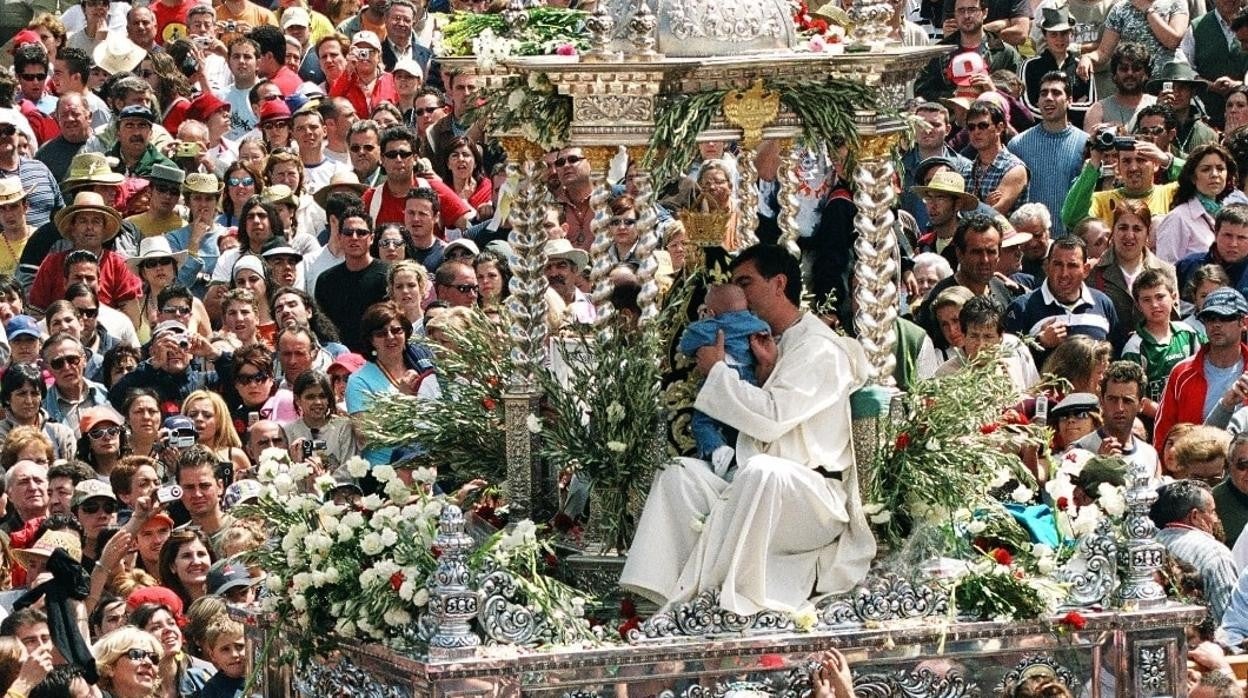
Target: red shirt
391,211
118,285
170,20
288,81
383,91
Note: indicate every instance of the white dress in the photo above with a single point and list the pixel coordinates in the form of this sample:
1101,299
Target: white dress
780,532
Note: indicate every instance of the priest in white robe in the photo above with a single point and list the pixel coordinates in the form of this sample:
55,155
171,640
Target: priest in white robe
790,525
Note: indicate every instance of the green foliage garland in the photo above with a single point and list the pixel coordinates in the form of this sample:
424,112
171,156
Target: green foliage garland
546,29
533,108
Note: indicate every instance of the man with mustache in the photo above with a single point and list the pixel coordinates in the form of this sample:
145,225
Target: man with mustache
134,150
1188,525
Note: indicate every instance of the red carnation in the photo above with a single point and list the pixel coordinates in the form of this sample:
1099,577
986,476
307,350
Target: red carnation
1062,502
771,661
1074,620
435,551
820,25
489,404
903,441
628,626
989,428
1002,556
396,580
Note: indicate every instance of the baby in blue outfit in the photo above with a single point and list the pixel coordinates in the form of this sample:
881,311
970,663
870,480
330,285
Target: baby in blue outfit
726,309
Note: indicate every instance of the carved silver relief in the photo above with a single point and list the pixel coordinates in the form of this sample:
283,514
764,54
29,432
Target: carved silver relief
888,597
923,683
1151,671
613,108
502,619
1028,665
1092,572
690,28
343,678
703,617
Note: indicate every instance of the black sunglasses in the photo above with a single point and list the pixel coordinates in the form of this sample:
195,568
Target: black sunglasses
94,507
61,361
251,379
569,160
103,432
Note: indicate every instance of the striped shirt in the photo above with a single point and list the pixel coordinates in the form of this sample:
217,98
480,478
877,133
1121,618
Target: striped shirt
982,180
1092,314
1212,561
45,194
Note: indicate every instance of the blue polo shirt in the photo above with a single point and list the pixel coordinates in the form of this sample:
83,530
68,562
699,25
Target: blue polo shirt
1092,314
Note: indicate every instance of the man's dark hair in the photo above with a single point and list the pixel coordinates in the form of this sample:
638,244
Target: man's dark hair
363,126
1069,242
80,290
1125,372
1176,500
75,470
1240,21
78,257
1057,76
30,54
58,682
340,201
427,194
9,284
77,62
1151,278
1168,117
354,212
771,260
20,619
981,310
1236,214
58,522
446,271
397,133
973,223
270,39
1130,52
253,95
238,40
983,107
195,457
172,291
427,91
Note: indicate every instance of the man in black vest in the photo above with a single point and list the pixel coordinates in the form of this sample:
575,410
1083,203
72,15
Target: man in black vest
1213,50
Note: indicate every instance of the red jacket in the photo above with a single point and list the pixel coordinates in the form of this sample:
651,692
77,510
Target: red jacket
347,86
1184,397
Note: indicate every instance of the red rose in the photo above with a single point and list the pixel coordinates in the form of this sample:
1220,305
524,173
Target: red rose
1062,502
1074,620
562,522
903,441
435,551
820,25
489,404
1002,556
396,580
989,428
628,608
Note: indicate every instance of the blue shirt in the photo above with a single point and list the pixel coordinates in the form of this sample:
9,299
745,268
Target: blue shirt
1053,161
195,271
1092,314
362,387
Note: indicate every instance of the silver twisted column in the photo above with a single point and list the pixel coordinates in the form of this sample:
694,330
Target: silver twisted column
747,211
647,243
789,202
600,270
452,603
1141,555
875,273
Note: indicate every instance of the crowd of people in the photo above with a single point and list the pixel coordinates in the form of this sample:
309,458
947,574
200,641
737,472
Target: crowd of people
228,227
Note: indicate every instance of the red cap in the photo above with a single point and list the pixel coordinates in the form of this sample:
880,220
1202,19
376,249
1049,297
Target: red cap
163,596
349,362
964,66
205,106
25,36
274,110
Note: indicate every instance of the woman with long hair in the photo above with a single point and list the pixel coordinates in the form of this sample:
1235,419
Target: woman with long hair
1207,182
242,182
468,177
408,285
1127,257
103,441
170,87
254,153
215,429
184,562
392,243
319,419
141,408
493,277
181,675
261,224
1081,361
392,369
22,392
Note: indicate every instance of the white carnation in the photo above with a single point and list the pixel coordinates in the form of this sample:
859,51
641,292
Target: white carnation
533,423
357,467
300,471
421,597
1111,500
371,544
330,510
345,627
396,491
1085,521
284,484
389,537
976,527
353,519
615,412
407,590
384,473
882,518
933,445
324,483
1001,478
1022,494
397,617
1046,565
274,454
432,510
1060,488
372,502
425,476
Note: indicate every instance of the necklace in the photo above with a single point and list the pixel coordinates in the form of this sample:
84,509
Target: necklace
579,226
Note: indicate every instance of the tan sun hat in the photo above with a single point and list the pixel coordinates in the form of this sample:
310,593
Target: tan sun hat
949,184
11,191
279,194
562,248
117,54
340,181
90,169
155,247
202,183
89,201
48,542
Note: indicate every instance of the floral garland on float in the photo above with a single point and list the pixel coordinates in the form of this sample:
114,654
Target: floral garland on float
364,568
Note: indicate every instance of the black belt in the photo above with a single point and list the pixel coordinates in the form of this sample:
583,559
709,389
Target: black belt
828,473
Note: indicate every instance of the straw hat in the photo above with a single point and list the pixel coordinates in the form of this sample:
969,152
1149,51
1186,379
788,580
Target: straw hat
117,54
156,247
340,181
11,191
279,194
202,183
90,168
88,201
49,541
949,184
563,249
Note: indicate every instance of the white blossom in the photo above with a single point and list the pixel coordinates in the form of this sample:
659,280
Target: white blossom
353,519
389,537
284,484
615,412
407,590
432,510
324,483
357,467
330,510
1046,565
396,491
1111,499
933,445
372,502
533,423
1060,488
882,518
872,508
371,544
616,446
299,471
397,617
384,473
421,597
274,454
345,627
1001,478
425,476
1022,494
805,618
1085,521
976,527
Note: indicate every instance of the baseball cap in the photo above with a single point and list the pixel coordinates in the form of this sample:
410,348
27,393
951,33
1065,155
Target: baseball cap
1073,403
22,325
138,111
240,492
349,362
366,38
463,243
1223,302
92,416
91,489
228,575
295,17
965,66
168,327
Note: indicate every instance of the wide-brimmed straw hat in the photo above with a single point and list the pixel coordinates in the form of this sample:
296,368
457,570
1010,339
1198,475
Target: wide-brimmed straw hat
156,247
949,184
89,201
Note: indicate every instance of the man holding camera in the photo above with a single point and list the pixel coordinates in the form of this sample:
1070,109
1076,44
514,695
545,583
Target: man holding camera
168,370
1138,162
